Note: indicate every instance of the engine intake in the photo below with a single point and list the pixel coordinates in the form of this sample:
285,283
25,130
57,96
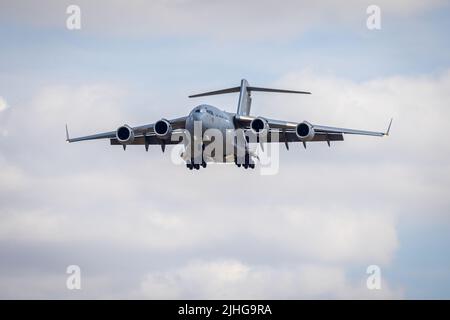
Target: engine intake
305,131
163,129
125,134
259,126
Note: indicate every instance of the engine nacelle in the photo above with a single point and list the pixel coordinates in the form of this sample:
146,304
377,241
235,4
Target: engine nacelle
305,131
259,126
125,134
163,129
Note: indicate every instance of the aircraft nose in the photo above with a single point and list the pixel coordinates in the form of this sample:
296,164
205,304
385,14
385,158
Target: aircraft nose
197,116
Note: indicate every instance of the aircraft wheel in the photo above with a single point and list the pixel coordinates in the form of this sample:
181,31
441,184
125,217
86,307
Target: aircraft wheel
196,166
204,164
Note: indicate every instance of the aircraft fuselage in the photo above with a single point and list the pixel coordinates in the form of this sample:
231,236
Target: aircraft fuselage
205,119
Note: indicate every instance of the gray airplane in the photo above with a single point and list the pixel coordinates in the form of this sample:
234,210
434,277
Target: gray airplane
247,129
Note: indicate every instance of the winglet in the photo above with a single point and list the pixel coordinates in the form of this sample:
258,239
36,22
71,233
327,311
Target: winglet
67,134
389,128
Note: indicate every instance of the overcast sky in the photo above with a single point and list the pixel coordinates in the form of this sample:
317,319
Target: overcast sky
140,226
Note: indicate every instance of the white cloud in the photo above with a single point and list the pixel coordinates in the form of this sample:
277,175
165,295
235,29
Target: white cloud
12,177
232,279
236,19
3,104
343,237
98,103
295,234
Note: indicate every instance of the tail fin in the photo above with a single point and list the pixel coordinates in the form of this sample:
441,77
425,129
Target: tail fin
245,99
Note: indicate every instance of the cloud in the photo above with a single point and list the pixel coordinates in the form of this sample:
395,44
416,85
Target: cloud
222,231
215,19
4,108
232,279
3,104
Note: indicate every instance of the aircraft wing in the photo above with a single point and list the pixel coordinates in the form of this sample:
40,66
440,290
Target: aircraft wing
286,136
177,123
325,129
322,132
152,139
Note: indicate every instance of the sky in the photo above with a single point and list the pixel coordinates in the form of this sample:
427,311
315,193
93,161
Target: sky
141,227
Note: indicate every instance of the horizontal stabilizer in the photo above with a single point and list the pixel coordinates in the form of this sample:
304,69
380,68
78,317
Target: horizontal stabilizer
245,99
211,93
249,89
276,90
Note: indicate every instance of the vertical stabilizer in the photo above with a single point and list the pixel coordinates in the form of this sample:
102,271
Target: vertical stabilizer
245,99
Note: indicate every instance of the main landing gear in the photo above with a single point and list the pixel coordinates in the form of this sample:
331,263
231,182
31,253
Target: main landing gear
248,162
192,165
196,163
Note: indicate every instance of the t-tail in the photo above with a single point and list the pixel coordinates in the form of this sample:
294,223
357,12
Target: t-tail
245,99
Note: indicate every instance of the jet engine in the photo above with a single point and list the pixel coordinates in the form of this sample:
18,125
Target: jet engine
259,126
163,129
125,134
305,131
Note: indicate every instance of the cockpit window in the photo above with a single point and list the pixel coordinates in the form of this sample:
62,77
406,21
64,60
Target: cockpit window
200,110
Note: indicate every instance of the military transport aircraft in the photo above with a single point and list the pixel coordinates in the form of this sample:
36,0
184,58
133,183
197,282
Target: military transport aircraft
249,129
